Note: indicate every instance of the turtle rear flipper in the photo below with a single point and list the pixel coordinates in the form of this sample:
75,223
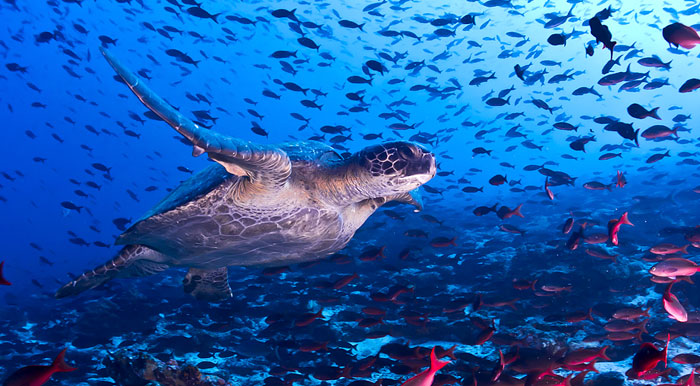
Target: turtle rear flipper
208,284
132,260
267,166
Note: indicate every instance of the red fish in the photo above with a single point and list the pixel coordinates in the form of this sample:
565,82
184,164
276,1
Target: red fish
575,239
681,35
485,334
375,311
631,313
308,318
601,254
522,284
585,355
648,357
345,280
504,212
38,375
426,377
498,180
3,281
498,370
614,227
313,346
442,242
372,254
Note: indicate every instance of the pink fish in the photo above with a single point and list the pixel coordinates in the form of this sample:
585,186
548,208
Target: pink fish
674,308
425,378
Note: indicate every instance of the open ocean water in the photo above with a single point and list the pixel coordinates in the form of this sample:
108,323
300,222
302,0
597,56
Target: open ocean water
552,240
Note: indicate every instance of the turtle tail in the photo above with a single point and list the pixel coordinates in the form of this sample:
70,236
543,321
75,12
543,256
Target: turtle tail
126,263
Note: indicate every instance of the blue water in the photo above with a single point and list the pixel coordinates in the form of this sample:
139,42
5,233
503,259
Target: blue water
65,112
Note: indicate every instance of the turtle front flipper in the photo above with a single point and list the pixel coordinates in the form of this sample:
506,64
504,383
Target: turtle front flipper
412,198
132,260
265,165
208,284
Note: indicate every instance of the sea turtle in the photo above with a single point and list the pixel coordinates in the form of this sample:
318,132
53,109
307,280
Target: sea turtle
256,205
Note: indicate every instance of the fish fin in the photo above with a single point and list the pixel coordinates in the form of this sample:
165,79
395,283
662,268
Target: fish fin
208,284
120,266
268,166
59,364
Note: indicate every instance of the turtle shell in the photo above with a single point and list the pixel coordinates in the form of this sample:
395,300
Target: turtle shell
212,176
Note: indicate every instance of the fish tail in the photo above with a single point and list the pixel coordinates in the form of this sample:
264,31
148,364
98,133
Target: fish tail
654,113
625,220
643,326
517,211
684,249
59,364
638,335
602,355
436,364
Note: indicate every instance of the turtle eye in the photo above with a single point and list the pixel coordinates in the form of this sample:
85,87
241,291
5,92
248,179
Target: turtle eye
406,152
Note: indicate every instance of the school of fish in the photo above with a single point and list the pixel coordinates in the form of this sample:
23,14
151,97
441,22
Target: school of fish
556,245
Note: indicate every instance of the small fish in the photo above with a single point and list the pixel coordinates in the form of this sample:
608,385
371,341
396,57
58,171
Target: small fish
637,111
202,14
71,206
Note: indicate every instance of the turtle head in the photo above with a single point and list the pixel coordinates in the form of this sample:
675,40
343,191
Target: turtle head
396,167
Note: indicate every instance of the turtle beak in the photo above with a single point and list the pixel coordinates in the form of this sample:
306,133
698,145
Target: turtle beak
423,167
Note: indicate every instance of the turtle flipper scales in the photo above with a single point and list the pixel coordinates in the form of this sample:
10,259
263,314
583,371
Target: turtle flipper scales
208,284
132,260
268,166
